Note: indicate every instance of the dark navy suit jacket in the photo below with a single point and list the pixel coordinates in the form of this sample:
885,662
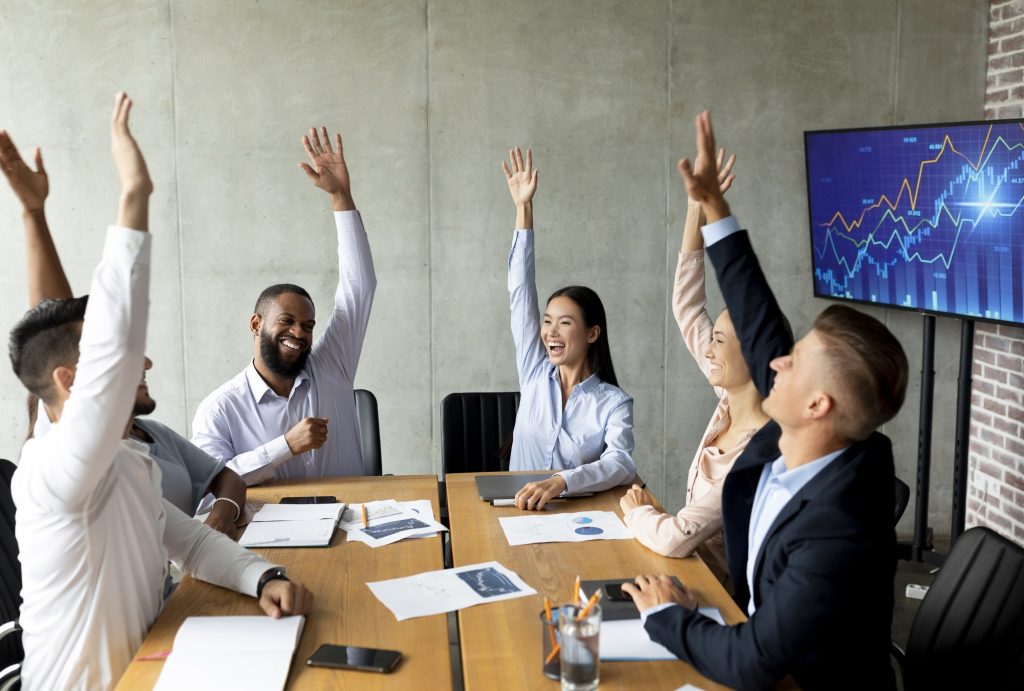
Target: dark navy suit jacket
823,580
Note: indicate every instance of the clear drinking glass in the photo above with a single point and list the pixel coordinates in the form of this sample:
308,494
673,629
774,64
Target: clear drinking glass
579,640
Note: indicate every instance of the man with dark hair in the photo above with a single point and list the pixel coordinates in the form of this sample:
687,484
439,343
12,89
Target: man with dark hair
807,507
272,419
94,533
188,475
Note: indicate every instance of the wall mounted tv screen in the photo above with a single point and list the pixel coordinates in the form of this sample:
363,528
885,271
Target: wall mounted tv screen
927,218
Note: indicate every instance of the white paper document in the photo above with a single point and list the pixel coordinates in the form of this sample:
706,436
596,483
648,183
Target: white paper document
251,653
627,639
447,590
564,527
288,534
390,521
298,512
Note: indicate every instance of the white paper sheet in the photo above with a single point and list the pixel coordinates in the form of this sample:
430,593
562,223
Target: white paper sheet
253,653
376,512
288,534
298,512
390,521
447,590
627,639
564,527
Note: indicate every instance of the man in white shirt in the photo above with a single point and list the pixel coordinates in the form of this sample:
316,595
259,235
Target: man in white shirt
291,413
94,532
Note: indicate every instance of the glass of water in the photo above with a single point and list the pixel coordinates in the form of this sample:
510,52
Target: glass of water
579,641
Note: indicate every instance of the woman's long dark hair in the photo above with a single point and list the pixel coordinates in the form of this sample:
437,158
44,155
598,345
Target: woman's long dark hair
599,355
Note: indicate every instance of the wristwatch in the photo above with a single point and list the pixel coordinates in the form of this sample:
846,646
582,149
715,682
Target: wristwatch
274,574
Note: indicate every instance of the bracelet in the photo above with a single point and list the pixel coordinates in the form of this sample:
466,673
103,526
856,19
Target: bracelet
238,509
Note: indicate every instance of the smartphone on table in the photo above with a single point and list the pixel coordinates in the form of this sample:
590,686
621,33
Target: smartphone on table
323,499
614,593
353,657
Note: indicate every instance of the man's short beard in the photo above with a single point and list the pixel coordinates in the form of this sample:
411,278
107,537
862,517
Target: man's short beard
272,359
143,407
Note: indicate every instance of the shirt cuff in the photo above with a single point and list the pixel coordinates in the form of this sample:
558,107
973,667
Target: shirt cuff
126,244
567,476
348,221
250,577
654,610
277,450
719,230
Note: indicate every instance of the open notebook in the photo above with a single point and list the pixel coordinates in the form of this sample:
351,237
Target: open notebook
251,653
292,525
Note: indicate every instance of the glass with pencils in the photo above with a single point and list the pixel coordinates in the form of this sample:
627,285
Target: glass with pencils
579,627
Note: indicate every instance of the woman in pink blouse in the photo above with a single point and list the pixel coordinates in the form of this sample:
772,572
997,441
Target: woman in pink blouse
698,526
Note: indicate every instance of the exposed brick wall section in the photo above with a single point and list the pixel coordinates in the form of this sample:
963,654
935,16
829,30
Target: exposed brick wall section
995,493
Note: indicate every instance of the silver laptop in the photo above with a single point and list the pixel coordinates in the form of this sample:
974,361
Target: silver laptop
507,486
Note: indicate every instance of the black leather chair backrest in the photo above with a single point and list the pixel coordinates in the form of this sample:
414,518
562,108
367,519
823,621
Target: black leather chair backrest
369,432
10,568
474,429
969,629
902,499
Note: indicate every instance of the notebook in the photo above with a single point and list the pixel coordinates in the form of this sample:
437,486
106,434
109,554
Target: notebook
292,525
251,653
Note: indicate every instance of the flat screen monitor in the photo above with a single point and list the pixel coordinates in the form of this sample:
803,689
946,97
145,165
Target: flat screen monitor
927,218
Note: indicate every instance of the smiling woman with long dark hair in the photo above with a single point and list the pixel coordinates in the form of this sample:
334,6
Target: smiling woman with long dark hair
573,418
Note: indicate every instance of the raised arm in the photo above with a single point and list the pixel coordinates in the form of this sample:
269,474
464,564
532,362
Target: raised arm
46,277
96,413
341,341
689,298
522,276
759,323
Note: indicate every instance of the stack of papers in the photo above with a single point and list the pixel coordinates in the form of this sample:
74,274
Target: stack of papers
252,653
564,527
389,521
627,639
292,525
447,590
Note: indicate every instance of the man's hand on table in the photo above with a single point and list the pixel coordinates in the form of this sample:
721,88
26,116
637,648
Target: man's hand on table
650,591
281,598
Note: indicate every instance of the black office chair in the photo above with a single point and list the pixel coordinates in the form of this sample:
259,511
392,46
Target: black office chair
11,652
902,499
476,431
969,629
369,432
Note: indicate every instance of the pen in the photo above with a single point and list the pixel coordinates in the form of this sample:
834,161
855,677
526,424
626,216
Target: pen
512,502
365,522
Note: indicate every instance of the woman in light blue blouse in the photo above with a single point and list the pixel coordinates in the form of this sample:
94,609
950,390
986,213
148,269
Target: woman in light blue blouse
573,418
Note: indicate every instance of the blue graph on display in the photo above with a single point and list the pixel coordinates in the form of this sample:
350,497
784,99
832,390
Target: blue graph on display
925,218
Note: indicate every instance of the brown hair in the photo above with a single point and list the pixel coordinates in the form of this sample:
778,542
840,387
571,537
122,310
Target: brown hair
868,365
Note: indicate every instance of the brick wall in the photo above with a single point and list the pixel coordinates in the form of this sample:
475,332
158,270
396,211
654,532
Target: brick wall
995,494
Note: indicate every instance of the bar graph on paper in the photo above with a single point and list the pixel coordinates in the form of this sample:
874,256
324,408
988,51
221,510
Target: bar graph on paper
925,218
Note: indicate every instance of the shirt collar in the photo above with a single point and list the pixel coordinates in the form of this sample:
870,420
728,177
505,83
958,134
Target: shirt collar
259,387
585,386
793,480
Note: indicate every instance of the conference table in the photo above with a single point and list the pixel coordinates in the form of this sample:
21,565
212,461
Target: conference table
501,641
345,612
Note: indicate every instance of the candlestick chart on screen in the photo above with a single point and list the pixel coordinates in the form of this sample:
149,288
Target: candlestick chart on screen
925,218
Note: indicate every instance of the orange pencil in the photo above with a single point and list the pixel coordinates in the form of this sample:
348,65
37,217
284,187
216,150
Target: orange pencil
590,605
576,592
551,626
365,522
554,652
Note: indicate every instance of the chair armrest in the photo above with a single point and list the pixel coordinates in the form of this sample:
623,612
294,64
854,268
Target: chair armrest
10,628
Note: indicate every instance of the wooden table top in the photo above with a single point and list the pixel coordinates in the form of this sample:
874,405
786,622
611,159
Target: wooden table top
501,641
345,611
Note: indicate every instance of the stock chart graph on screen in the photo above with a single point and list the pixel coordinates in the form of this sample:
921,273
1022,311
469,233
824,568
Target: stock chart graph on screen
926,218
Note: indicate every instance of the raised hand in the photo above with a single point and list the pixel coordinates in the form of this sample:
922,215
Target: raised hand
522,177
328,171
703,183
31,186
136,186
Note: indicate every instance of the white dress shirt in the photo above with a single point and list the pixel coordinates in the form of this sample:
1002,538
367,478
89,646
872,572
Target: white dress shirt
244,421
94,531
591,441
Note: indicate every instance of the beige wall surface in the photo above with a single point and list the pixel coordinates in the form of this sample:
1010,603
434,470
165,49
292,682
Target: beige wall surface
429,96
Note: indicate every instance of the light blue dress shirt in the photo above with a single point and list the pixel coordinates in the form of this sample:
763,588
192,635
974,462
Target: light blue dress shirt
590,442
774,490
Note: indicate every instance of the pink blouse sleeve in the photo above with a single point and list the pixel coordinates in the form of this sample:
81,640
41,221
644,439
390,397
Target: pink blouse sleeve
688,307
679,535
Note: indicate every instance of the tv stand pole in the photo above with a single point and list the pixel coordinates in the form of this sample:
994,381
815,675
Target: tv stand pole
963,429
922,543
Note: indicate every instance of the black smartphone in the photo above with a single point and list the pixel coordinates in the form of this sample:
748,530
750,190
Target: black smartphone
309,500
614,592
351,657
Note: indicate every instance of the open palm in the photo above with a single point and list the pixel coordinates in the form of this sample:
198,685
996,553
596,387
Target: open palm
328,171
31,186
521,175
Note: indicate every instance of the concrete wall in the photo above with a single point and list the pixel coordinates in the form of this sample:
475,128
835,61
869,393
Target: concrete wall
429,96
